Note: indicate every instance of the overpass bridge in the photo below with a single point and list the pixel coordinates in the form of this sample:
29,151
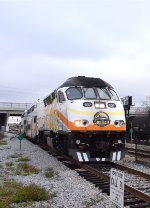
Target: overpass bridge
11,109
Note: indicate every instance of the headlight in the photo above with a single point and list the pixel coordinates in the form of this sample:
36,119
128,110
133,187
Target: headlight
77,123
77,141
119,122
81,123
100,105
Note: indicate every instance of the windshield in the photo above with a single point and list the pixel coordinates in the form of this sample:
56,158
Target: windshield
103,94
74,93
113,94
89,93
107,94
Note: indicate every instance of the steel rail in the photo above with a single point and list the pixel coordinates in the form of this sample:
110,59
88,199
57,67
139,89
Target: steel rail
131,170
128,188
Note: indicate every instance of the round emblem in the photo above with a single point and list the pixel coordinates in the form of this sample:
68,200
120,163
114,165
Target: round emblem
101,119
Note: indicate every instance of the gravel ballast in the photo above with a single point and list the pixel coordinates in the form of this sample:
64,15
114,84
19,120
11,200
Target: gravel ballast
71,190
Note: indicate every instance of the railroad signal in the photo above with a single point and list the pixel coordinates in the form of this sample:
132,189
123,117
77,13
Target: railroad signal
20,137
127,103
131,130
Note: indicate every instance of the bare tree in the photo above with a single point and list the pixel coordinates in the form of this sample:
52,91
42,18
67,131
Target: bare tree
144,108
146,104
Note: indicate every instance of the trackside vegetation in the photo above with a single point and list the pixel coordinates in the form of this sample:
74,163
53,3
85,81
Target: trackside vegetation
49,173
14,192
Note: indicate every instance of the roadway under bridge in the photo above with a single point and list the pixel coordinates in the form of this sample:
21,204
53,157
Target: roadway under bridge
10,109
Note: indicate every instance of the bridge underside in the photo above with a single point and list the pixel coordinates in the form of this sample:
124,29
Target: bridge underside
4,119
10,109
4,116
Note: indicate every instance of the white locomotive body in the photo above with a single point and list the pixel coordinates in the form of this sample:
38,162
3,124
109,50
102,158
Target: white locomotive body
83,118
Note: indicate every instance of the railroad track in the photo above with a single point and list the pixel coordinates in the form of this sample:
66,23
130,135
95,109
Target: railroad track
138,192
143,143
99,175
138,152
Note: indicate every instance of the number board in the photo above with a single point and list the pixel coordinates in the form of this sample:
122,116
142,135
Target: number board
117,188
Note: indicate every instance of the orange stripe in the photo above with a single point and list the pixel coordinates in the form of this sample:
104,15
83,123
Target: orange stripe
91,127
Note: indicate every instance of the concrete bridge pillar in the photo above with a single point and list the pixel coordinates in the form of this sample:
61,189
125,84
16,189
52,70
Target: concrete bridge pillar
6,124
3,119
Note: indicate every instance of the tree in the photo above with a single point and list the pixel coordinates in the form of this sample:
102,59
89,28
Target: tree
146,104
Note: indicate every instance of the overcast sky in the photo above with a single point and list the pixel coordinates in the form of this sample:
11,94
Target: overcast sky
44,42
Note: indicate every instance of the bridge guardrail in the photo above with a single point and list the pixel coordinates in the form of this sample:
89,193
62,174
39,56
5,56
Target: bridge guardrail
7,105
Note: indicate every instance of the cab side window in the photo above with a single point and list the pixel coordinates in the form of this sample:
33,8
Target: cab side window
35,119
61,97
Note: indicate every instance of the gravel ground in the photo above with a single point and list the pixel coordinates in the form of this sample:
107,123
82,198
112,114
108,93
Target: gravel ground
71,190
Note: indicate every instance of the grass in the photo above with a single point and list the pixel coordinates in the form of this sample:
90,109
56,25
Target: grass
9,167
15,155
3,142
1,136
9,164
31,192
1,171
23,159
94,201
26,169
13,192
49,173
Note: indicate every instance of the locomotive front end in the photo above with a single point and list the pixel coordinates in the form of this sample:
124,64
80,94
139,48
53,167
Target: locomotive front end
97,123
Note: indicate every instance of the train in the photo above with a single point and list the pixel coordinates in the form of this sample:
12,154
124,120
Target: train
83,118
138,125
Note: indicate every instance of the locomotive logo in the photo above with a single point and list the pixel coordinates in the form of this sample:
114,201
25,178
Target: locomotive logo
101,119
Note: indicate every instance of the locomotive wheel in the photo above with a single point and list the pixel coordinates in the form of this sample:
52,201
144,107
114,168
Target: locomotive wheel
39,138
44,139
60,145
56,143
35,139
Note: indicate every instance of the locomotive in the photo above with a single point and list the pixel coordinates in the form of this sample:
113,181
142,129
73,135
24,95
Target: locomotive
83,118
